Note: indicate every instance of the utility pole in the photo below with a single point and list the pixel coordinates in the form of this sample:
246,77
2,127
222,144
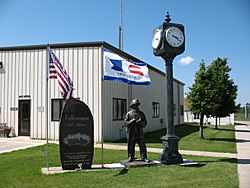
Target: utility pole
121,26
247,110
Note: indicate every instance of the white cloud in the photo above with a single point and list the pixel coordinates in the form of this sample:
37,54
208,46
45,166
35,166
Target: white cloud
186,60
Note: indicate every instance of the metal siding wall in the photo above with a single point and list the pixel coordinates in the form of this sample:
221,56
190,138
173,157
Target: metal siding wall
15,91
2,79
98,91
175,102
38,96
7,89
181,89
35,94
112,129
5,86
9,118
83,67
29,89
152,93
22,77
9,78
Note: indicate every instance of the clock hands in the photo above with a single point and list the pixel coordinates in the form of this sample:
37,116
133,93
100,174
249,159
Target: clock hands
177,38
174,37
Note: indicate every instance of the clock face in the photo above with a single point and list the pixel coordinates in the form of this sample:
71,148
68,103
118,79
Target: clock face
174,36
156,38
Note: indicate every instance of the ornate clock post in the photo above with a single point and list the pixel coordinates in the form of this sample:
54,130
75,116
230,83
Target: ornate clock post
169,41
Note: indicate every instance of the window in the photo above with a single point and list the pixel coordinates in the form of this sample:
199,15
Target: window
119,108
182,110
56,108
196,116
156,109
174,110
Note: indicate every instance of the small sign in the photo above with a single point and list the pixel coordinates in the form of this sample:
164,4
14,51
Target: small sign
13,109
24,96
76,136
40,108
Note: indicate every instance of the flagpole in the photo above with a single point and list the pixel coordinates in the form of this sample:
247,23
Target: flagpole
46,106
102,113
102,145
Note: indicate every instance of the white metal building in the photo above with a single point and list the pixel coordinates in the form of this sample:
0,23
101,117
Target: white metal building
22,91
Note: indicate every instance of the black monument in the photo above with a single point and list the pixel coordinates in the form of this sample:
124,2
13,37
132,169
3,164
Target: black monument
76,136
169,41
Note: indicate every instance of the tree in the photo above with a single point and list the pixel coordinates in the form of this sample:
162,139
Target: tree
213,92
238,108
197,96
222,89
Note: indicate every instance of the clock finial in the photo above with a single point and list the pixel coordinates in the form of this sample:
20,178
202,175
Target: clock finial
167,18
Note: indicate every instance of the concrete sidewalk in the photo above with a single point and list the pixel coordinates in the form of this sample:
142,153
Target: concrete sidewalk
159,150
17,143
242,135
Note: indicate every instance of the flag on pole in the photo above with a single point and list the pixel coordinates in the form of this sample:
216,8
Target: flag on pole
57,71
117,68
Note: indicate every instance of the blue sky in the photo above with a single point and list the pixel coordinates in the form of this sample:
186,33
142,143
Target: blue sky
213,28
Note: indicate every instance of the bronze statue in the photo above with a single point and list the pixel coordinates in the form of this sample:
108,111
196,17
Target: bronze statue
135,121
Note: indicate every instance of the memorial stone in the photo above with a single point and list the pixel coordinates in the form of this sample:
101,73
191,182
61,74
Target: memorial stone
76,136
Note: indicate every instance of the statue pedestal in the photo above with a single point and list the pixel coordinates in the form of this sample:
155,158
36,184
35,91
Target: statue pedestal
170,153
137,163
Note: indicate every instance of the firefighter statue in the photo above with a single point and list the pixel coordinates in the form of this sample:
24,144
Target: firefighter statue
135,121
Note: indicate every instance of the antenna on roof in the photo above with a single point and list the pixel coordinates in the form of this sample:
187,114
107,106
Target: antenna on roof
121,26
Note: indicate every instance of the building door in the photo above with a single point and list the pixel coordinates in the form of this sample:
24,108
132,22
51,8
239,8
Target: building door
24,118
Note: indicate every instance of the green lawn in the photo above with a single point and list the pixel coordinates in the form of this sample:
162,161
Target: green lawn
23,169
217,140
242,119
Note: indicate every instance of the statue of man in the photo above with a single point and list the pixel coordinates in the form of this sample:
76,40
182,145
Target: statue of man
135,121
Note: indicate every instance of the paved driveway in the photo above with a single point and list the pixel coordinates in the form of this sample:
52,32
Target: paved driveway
17,143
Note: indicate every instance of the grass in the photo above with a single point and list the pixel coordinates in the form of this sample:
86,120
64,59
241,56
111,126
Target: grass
216,140
240,118
23,169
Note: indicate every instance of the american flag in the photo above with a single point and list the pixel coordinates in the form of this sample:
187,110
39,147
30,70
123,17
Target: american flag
57,71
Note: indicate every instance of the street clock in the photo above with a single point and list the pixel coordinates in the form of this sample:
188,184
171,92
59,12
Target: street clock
168,39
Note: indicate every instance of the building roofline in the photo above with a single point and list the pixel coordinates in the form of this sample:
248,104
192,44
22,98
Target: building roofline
57,45
85,44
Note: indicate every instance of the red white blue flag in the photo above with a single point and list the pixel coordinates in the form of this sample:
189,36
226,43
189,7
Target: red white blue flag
57,71
117,68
